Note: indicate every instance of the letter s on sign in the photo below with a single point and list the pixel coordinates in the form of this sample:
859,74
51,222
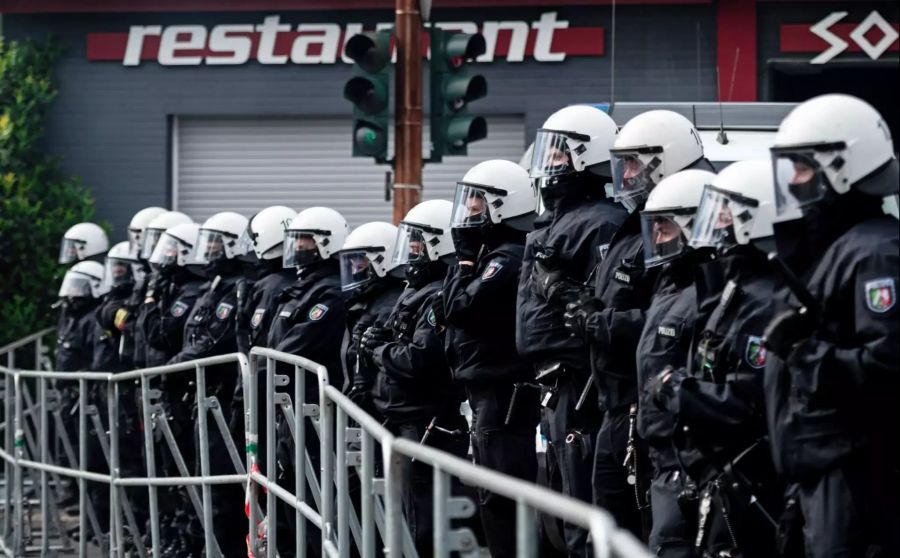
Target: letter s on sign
236,49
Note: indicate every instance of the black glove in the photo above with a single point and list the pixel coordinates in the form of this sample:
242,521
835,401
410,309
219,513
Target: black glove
577,314
468,242
786,330
663,386
374,337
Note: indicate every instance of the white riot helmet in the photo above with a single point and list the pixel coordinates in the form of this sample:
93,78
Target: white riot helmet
315,233
84,280
265,232
494,192
176,246
366,255
424,234
573,140
82,241
739,206
219,238
668,216
156,227
835,142
651,146
121,268
137,225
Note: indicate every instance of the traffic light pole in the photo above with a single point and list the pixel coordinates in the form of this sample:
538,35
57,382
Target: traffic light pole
408,109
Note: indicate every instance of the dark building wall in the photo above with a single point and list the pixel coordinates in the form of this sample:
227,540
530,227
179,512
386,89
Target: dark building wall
110,123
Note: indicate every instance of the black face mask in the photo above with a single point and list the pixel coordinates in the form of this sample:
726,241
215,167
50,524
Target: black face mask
80,305
419,274
470,240
306,258
222,266
574,186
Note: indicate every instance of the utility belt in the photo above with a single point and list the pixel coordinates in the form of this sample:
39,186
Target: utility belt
551,375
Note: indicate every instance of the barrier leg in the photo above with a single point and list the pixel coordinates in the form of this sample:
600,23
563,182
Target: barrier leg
271,443
212,546
526,534
45,458
366,496
300,458
18,535
150,460
393,498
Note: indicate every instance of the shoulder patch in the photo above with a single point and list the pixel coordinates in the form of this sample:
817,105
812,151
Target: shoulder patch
257,317
491,270
223,310
881,295
431,318
317,311
755,355
178,309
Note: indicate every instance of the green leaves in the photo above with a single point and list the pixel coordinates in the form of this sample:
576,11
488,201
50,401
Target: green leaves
38,203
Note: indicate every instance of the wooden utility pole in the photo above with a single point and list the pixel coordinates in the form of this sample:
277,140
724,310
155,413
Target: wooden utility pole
408,108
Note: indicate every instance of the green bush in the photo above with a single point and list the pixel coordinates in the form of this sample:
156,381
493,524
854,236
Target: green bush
38,203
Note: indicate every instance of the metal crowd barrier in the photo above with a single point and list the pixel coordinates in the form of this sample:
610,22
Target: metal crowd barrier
345,497
27,445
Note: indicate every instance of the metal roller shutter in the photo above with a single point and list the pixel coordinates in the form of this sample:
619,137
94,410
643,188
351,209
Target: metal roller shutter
243,165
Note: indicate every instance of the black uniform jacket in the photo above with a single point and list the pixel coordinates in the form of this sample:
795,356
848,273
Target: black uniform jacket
624,286
414,383
837,392
480,306
263,299
75,338
110,322
162,318
309,321
366,306
572,238
666,341
719,407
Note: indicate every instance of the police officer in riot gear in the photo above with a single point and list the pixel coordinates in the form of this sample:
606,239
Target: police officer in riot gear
569,170
210,331
371,279
650,147
134,346
83,241
831,376
717,401
413,390
308,322
257,302
666,223
173,289
79,293
493,209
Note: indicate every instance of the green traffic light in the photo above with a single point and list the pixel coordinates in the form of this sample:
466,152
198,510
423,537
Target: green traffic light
369,141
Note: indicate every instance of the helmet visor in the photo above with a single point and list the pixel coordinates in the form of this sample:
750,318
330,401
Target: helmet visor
300,249
634,174
76,285
171,251
70,250
802,175
663,238
210,247
411,245
357,269
551,156
119,271
246,241
470,207
134,242
714,221
148,243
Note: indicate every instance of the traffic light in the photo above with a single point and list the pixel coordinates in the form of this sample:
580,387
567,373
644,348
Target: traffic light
368,90
452,89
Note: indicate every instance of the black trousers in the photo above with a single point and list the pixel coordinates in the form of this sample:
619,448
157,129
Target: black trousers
626,502
418,489
571,440
674,525
507,448
851,510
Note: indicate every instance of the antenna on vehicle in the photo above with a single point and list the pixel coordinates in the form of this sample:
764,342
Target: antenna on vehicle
722,137
612,60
